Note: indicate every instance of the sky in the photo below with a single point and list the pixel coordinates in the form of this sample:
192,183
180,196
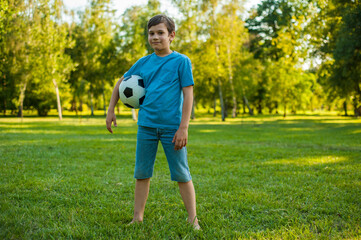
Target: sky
122,5
119,5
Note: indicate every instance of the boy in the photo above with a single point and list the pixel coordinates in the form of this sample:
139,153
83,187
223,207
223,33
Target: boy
168,82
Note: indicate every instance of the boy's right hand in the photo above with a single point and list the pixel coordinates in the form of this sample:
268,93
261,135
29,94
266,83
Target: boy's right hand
111,118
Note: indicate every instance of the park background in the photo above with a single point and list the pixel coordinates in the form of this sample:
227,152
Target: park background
279,57
274,141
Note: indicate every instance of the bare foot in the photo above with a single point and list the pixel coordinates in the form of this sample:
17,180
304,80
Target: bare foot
135,221
195,224
197,227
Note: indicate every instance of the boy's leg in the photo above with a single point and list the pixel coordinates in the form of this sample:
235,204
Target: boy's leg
189,198
147,145
178,166
140,198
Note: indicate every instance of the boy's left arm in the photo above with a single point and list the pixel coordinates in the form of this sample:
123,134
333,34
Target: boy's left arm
180,138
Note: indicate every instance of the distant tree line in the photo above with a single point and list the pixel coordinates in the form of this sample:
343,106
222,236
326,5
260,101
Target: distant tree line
287,56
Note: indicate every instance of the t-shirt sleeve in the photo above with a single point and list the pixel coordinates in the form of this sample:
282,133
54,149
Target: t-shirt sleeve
134,70
185,73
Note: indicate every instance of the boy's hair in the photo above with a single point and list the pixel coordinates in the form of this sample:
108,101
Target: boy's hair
161,18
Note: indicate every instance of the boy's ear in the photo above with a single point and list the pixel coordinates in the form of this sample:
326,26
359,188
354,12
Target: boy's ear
171,36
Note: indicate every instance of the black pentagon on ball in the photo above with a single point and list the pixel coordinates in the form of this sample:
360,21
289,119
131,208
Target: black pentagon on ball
141,100
141,82
128,92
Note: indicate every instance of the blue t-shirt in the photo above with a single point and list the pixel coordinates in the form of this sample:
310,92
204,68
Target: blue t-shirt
164,78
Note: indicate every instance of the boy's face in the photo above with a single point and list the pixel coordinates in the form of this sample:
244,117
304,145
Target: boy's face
159,38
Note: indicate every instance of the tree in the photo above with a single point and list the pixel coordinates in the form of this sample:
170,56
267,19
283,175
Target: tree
55,64
93,53
278,33
217,50
346,74
335,41
232,37
8,87
19,47
33,48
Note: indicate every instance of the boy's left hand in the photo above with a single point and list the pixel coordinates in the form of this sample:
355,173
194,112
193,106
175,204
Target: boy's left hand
180,138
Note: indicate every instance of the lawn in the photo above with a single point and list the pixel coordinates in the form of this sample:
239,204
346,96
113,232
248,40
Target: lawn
255,178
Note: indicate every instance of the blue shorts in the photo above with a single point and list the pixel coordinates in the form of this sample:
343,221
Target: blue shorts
147,146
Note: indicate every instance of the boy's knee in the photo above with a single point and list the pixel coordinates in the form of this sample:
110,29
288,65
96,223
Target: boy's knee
140,174
181,178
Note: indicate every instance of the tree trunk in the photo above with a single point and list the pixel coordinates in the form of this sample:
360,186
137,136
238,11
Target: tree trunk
284,109
221,100
259,107
345,107
244,105
355,107
220,88
91,104
23,87
245,100
80,105
357,101
215,106
74,107
214,5
230,72
4,99
21,99
104,106
58,99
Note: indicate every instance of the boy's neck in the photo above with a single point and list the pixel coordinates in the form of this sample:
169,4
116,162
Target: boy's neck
163,53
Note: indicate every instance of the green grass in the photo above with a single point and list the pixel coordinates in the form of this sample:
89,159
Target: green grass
255,178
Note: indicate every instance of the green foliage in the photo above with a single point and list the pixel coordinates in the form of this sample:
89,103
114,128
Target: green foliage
34,48
336,39
94,53
278,28
276,25
347,66
54,66
8,87
267,62
134,32
255,178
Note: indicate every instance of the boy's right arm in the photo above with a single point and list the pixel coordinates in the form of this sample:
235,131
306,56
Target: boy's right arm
113,101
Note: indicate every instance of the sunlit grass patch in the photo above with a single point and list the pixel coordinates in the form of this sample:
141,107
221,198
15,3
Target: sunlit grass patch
207,131
357,132
310,160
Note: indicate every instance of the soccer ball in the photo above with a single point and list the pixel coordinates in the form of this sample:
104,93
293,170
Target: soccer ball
132,91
